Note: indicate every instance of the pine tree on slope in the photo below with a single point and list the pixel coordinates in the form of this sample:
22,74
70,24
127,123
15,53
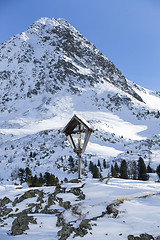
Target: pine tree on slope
142,171
158,171
123,170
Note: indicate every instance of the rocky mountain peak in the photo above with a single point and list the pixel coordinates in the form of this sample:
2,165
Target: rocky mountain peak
50,56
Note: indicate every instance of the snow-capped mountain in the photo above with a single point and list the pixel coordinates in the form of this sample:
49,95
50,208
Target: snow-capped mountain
50,72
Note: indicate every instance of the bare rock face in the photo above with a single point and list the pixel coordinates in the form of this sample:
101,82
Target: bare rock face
20,224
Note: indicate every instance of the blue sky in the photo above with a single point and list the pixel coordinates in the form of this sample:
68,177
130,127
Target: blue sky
126,31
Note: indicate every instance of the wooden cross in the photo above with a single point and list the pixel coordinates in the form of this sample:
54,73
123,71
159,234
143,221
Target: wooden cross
81,126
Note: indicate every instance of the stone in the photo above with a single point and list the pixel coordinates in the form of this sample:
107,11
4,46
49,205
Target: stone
143,236
82,229
112,210
20,224
75,181
131,237
146,236
78,192
26,195
5,211
46,210
58,189
65,232
60,220
85,224
80,232
66,204
4,201
51,199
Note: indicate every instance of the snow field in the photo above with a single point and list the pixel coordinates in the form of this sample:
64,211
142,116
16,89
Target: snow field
138,212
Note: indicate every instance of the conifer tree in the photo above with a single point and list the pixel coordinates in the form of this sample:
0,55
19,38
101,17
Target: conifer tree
30,181
71,162
85,163
149,169
134,170
142,171
28,173
21,175
99,164
116,167
114,172
35,182
56,181
50,179
158,171
47,178
41,179
91,166
104,163
123,170
95,172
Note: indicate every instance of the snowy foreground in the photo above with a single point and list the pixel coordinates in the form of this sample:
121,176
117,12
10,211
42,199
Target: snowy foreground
138,210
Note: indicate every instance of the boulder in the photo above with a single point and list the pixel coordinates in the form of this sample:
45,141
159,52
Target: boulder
28,194
65,232
112,210
51,199
59,189
75,181
85,224
66,204
131,237
5,211
78,192
47,210
82,229
143,236
4,201
20,224
146,236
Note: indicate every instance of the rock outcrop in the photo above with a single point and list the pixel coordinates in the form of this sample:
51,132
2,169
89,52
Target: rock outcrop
20,224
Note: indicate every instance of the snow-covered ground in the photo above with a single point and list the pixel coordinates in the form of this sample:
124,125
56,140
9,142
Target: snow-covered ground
139,210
